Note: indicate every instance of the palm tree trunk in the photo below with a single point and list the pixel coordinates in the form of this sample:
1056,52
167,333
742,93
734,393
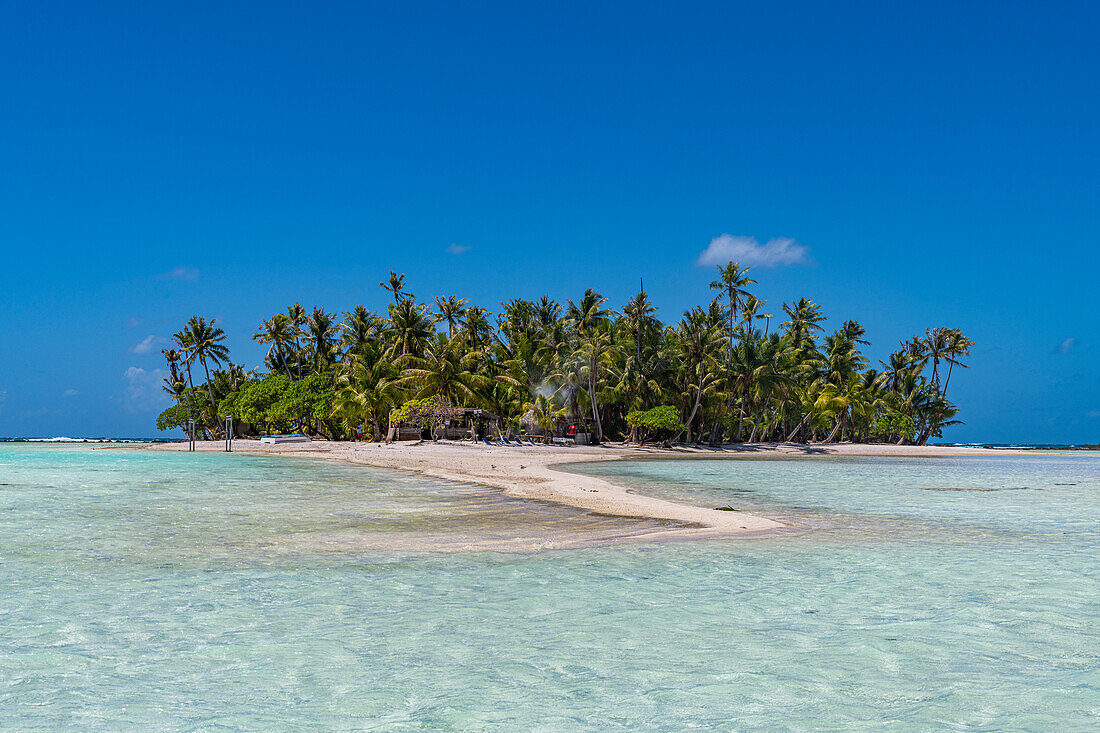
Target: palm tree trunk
210,391
798,427
834,431
695,409
595,407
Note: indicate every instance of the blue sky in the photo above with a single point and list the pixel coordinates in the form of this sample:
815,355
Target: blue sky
934,163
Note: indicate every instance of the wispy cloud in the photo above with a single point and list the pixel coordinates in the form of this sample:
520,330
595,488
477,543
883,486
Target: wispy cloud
180,273
148,345
143,389
71,393
1067,346
457,249
747,251
3,397
1092,413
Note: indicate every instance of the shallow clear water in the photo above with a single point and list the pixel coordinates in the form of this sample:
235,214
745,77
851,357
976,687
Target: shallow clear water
161,591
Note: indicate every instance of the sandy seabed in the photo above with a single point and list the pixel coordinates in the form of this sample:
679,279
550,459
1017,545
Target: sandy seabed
530,473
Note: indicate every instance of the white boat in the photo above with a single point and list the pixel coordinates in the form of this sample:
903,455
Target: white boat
285,439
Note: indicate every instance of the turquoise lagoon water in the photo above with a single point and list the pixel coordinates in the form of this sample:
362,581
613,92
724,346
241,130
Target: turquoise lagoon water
159,591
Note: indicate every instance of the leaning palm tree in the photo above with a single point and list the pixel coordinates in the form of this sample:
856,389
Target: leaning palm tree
958,346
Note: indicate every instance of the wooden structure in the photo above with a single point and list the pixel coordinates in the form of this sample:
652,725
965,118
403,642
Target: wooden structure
465,422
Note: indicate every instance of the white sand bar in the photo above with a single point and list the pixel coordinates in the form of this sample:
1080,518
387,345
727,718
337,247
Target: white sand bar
527,473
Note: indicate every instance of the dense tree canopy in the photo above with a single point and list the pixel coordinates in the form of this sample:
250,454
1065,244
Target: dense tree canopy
722,372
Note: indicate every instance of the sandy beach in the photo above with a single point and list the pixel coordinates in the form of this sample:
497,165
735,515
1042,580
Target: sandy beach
530,473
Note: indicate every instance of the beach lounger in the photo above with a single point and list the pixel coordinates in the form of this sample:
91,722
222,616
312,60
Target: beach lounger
486,441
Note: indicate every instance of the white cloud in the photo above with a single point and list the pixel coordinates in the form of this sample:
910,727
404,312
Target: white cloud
180,273
143,390
1066,346
71,393
148,344
747,251
457,249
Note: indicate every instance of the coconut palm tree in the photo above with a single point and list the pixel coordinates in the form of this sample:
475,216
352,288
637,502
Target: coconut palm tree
641,318
407,328
278,332
323,336
446,370
476,329
590,321
396,286
366,388
359,327
296,316
451,310
204,342
957,347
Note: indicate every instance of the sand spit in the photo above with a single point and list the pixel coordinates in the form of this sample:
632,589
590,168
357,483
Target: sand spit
529,473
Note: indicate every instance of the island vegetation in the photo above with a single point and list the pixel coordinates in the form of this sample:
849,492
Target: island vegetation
727,371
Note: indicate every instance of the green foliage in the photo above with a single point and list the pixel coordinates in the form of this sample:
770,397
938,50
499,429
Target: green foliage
307,400
662,420
892,422
729,370
175,416
421,412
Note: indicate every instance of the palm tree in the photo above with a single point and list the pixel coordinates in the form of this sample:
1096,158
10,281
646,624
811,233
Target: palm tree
366,388
476,328
451,310
805,319
396,286
700,339
296,316
408,328
732,282
278,332
590,321
446,370
359,327
204,342
935,347
641,318
323,335
958,346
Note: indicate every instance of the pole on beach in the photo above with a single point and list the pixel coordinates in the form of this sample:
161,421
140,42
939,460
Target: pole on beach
229,435
190,435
